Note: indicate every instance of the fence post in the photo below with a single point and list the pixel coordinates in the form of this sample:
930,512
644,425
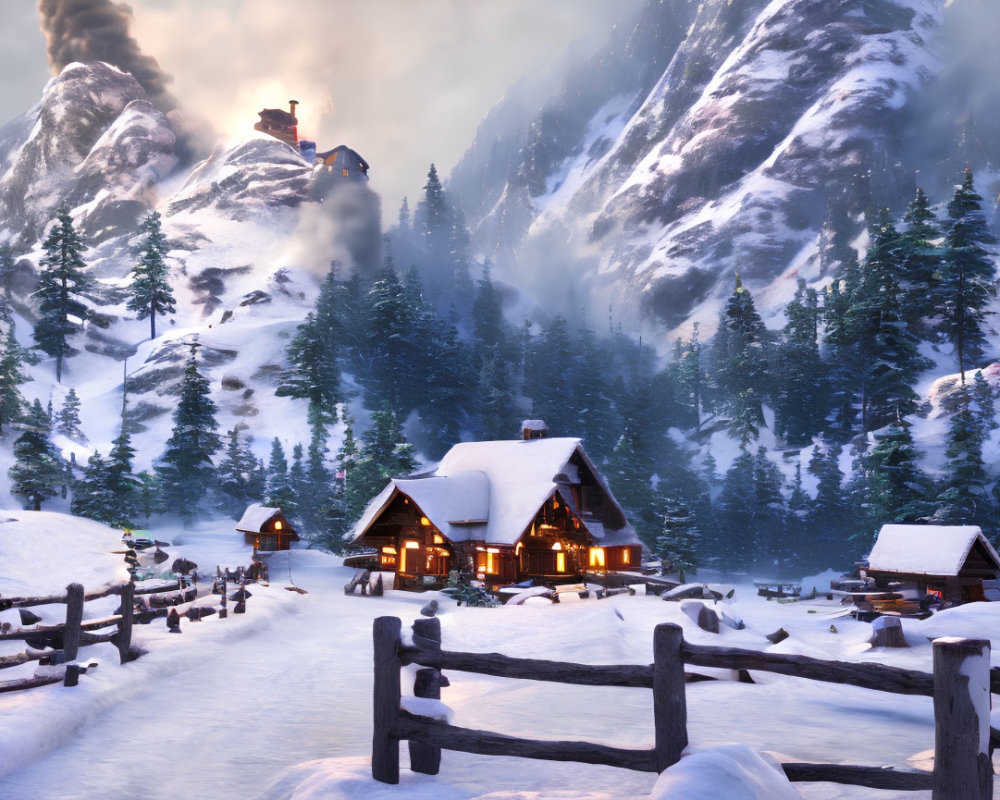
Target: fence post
962,764
426,758
385,747
74,618
669,700
124,640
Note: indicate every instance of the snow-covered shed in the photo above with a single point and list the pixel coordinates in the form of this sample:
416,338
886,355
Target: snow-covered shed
951,561
505,510
266,528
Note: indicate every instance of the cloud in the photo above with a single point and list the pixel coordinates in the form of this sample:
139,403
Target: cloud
98,30
404,83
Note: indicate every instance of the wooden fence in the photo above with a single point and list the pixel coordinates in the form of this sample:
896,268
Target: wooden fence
960,686
75,632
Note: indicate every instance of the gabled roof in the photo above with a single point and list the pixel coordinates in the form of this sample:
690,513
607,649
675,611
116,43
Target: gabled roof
491,491
927,549
256,517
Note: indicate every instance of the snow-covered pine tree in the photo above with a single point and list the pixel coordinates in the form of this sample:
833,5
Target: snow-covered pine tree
736,508
186,469
234,474
679,540
316,495
61,287
150,498
279,489
386,454
920,261
963,498
489,328
389,341
740,364
801,380
829,522
968,277
150,291
37,472
297,478
497,411
547,373
122,483
769,524
92,496
896,487
348,500
12,403
68,423
314,374
7,268
690,378
630,472
404,215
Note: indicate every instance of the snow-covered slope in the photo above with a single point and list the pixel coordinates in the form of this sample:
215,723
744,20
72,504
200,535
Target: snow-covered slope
769,117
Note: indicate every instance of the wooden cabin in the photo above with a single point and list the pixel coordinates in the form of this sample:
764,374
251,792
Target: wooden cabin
949,562
280,124
502,511
266,528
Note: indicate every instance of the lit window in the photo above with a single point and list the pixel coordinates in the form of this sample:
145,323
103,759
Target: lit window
411,545
626,555
438,538
557,546
345,172
597,556
424,521
560,562
389,550
277,525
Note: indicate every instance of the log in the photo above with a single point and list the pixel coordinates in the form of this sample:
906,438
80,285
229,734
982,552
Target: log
467,740
962,765
27,602
23,658
887,632
74,620
872,777
170,587
26,683
669,699
532,669
386,697
426,758
868,676
87,639
778,636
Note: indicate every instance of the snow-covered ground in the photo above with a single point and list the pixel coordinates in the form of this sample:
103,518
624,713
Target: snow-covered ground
276,703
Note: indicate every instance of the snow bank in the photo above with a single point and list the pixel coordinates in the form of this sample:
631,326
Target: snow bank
734,772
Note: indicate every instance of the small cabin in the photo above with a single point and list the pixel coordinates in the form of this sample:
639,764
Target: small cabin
282,125
949,562
503,511
266,528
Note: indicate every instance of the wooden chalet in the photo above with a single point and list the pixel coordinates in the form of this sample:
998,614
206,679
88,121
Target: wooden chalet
280,124
266,528
503,511
947,561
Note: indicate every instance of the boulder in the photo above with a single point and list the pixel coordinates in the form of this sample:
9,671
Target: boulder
702,615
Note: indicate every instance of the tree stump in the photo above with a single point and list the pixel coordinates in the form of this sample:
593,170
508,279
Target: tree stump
887,632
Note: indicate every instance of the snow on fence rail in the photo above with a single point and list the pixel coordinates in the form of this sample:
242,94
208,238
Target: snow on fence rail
960,686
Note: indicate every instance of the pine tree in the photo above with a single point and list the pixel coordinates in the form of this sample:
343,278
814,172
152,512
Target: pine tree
279,487
92,496
968,280
736,508
769,524
150,289
349,495
61,286
920,264
186,469
12,403
739,358
630,472
389,341
896,486
37,472
8,268
386,454
233,474
678,542
122,483
314,374
489,329
963,498
801,396
69,418
404,215
547,373
316,501
497,409
150,494
690,378
829,523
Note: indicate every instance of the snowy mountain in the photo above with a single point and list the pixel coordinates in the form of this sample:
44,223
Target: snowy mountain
248,241
763,126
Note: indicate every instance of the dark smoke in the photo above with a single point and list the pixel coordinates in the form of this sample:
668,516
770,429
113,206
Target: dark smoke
98,30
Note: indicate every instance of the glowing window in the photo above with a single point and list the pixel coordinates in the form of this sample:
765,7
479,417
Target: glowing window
557,546
560,562
597,556
389,550
411,545
277,525
626,555
424,521
438,538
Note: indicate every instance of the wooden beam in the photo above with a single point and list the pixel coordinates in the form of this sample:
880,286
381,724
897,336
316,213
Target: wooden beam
467,740
26,683
426,758
74,619
39,631
533,669
868,676
872,777
669,700
23,658
386,697
28,602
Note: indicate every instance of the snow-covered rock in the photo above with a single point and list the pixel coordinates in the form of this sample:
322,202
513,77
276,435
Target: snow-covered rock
735,772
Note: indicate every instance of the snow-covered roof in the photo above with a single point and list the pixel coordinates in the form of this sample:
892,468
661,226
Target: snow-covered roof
256,517
927,549
490,491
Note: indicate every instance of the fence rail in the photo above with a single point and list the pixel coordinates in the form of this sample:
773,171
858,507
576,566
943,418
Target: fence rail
960,686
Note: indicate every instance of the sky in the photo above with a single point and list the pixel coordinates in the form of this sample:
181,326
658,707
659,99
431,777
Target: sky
403,82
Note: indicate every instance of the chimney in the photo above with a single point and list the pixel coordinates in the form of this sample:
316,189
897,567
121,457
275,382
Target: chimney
534,429
291,107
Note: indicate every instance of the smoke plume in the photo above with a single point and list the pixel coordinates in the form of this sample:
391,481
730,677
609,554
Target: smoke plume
98,30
